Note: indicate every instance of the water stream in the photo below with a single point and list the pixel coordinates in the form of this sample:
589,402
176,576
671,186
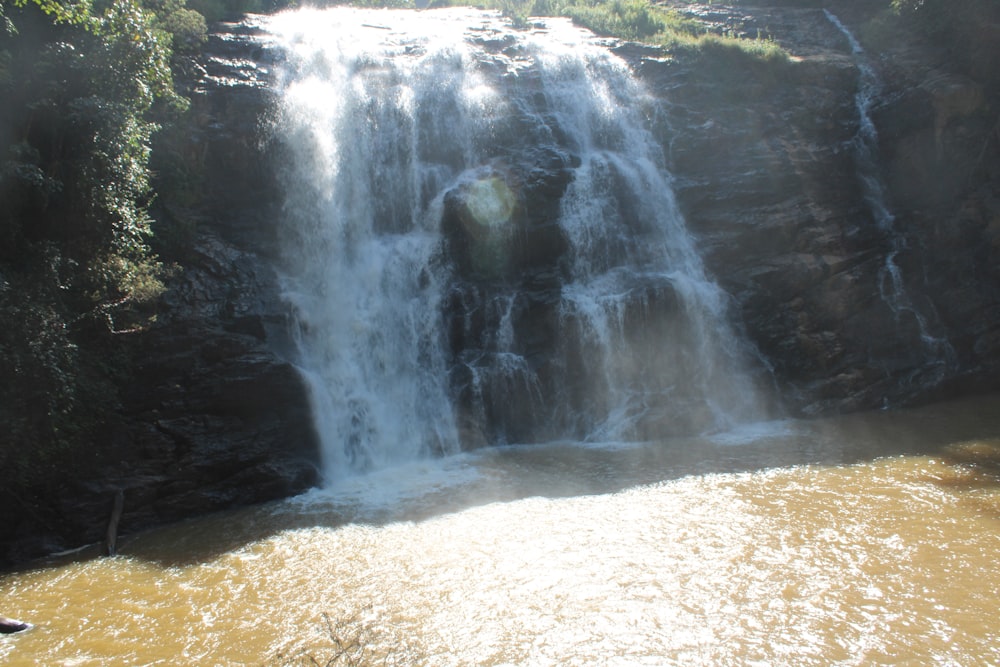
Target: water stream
892,287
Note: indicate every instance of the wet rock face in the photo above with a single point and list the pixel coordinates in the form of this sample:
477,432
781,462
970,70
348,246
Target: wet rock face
214,416
502,226
218,416
766,171
508,252
768,181
767,175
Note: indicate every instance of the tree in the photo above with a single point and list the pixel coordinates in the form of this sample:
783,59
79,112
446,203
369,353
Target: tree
79,82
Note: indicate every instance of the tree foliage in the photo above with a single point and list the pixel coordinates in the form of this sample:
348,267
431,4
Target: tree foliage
80,82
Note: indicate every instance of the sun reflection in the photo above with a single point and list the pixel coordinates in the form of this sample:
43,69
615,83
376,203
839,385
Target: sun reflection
490,202
487,206
786,564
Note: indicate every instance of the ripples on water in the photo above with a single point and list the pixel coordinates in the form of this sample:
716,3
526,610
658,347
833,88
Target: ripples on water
868,540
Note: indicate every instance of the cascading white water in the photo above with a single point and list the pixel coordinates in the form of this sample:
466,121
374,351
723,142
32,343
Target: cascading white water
622,199
891,286
425,152
360,117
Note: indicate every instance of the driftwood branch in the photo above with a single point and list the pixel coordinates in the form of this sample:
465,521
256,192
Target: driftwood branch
111,537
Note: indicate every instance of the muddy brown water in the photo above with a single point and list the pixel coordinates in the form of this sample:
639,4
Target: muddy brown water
864,540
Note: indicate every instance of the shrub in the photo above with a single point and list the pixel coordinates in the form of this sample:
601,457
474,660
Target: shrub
187,28
79,89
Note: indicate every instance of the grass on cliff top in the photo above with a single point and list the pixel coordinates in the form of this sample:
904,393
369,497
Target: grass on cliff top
633,20
643,21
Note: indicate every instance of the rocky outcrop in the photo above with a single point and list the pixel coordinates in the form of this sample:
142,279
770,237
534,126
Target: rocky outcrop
9,626
213,415
849,312
768,176
508,270
218,416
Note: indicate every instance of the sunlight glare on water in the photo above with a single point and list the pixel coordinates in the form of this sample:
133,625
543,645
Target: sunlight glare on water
796,548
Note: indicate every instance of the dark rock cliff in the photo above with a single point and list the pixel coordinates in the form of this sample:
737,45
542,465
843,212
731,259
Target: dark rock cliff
218,417
769,178
213,416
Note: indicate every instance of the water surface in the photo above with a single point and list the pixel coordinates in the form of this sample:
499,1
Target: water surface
864,540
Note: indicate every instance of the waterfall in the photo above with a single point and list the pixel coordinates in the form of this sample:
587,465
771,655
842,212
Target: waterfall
483,244
892,288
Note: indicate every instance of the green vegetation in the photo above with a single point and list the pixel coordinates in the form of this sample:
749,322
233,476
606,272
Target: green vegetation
965,29
634,20
641,21
653,24
81,85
